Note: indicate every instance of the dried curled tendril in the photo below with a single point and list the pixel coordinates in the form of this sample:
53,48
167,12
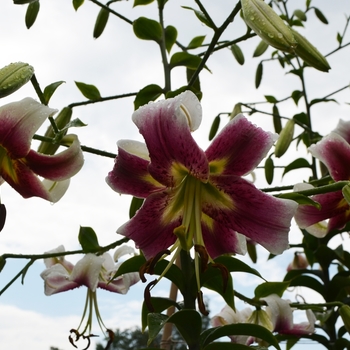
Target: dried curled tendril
87,338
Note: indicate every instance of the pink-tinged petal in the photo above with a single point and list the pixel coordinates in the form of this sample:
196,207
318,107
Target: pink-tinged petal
334,152
123,250
219,239
60,166
121,284
332,205
153,225
49,262
338,222
239,148
251,212
166,126
86,271
130,174
57,280
18,123
343,129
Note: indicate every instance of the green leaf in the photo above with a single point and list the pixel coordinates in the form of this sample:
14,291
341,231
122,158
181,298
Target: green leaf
267,288
249,329
159,305
296,95
142,2
339,38
270,99
89,91
50,89
101,22
148,93
22,2
135,205
237,53
200,15
189,324
131,265
32,13
171,94
77,4
88,239
214,127
196,86
300,199
300,14
185,59
296,164
318,100
320,16
227,346
147,29
309,282
196,42
155,323
170,37
258,74
269,170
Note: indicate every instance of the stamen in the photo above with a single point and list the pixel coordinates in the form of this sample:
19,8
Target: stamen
147,295
224,273
201,305
149,265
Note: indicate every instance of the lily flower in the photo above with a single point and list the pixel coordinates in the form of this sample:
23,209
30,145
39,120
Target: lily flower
192,196
334,152
20,166
277,316
91,271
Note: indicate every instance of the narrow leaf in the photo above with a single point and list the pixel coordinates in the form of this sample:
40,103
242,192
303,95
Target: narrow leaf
88,239
200,16
142,2
185,59
269,170
271,99
237,53
214,127
135,205
196,42
320,16
268,288
277,123
170,37
258,74
260,49
101,22
300,199
50,89
155,323
32,13
147,29
296,164
77,4
148,93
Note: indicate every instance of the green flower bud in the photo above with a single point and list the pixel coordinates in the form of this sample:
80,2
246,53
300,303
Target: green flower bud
265,22
286,137
344,312
237,109
306,51
62,119
14,76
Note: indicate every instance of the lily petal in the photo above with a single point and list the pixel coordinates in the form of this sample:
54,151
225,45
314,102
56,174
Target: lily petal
57,167
166,126
343,129
220,239
151,228
18,123
87,270
49,262
332,205
334,152
130,173
239,148
262,218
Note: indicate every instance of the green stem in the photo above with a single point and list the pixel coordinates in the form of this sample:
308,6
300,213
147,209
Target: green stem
112,11
188,271
102,99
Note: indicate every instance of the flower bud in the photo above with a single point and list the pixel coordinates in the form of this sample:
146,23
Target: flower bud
299,263
14,76
306,51
285,138
237,109
265,22
344,312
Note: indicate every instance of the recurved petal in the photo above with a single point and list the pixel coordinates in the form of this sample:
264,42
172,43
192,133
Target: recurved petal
121,284
130,174
334,152
49,262
152,227
238,148
249,211
60,166
166,126
220,239
343,129
332,205
18,123
57,280
87,270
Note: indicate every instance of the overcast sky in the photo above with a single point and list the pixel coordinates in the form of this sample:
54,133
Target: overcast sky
60,46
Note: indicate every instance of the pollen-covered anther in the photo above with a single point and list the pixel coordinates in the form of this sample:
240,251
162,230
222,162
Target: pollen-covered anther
203,254
224,273
149,265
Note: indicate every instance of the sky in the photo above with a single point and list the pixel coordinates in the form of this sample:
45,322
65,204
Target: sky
60,46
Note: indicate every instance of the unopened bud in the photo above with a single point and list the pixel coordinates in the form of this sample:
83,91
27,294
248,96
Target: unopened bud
14,76
299,263
344,312
306,51
285,138
62,119
265,22
237,109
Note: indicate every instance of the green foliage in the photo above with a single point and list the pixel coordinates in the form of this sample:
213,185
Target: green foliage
101,22
238,54
147,94
89,91
88,239
147,29
32,13
50,90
